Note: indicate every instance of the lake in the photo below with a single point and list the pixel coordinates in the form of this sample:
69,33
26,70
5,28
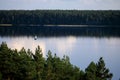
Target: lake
88,46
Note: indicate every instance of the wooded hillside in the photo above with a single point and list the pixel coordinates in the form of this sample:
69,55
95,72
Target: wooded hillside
60,17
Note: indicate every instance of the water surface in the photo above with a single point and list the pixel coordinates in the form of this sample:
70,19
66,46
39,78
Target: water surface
81,49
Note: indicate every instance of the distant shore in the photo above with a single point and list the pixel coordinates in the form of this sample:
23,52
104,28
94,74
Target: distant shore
60,25
6,25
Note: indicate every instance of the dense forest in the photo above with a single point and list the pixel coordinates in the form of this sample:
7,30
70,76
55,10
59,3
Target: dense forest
26,65
60,17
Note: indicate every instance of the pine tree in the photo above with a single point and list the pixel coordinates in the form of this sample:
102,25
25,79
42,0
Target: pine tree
102,71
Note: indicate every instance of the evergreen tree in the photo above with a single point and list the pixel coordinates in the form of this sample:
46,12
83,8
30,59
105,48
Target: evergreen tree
102,71
7,66
39,61
98,71
25,65
91,71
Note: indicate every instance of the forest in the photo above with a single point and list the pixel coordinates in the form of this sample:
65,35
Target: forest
60,17
26,65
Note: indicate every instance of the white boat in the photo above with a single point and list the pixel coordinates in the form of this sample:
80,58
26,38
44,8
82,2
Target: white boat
35,38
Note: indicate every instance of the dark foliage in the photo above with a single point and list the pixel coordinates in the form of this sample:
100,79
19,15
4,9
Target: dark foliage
40,31
24,65
56,17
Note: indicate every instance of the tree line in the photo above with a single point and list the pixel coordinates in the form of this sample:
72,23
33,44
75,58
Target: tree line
60,17
26,65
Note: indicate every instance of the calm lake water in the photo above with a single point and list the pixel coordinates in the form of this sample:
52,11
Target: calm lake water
85,45
81,50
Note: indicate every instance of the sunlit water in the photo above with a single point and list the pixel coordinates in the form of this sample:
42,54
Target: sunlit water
81,50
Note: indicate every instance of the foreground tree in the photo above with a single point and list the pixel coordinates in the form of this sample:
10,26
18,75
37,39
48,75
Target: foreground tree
98,71
102,71
7,65
91,72
25,65
39,63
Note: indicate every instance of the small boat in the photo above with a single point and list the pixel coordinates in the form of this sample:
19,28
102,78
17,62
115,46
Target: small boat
35,38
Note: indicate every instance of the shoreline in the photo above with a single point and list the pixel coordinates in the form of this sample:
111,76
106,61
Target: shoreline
60,25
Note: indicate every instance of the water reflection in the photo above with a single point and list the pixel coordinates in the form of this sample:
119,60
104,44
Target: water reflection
96,31
26,42
64,46
81,50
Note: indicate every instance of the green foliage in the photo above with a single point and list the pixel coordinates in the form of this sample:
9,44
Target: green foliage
57,17
91,71
102,71
98,71
25,65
